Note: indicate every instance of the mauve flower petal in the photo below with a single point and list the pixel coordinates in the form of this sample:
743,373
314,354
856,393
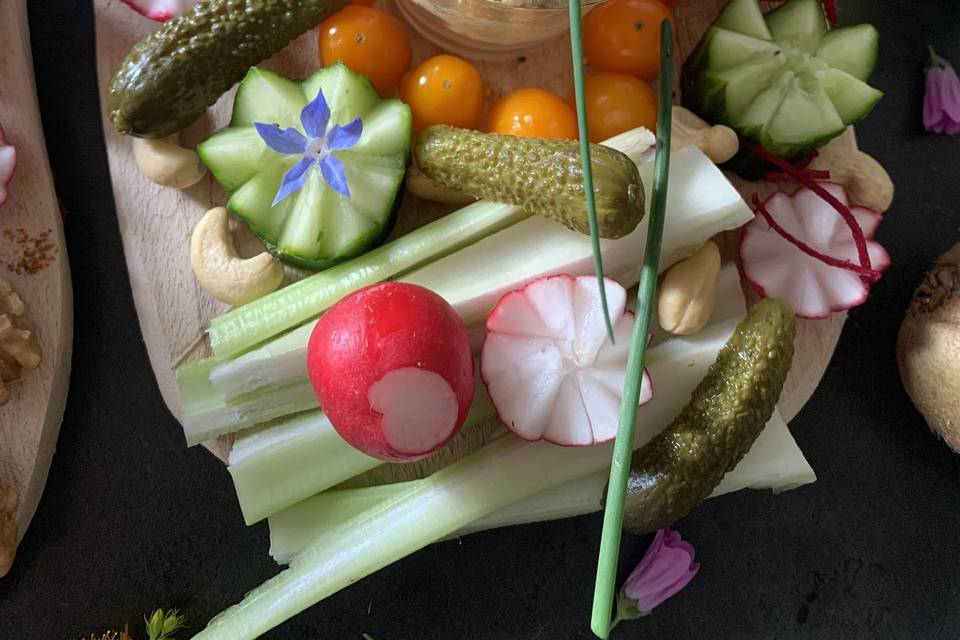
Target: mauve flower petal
288,142
315,116
941,102
666,568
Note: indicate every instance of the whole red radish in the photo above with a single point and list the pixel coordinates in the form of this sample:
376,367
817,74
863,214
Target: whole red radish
392,368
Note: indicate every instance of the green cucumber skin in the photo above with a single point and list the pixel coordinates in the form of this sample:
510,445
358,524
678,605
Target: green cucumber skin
680,468
170,78
543,176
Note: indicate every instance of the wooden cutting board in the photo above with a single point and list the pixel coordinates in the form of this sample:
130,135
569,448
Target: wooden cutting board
156,222
33,259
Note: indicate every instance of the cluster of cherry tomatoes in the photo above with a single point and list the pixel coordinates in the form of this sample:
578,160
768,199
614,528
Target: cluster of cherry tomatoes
621,40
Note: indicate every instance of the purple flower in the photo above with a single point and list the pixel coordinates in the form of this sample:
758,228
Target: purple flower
941,102
666,568
316,147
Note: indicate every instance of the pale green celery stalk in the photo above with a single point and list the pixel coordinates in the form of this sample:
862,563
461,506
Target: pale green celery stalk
205,421
276,467
280,359
504,471
701,203
254,323
775,462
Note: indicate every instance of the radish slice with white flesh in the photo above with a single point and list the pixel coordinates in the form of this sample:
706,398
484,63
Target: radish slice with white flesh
549,367
160,10
392,369
775,267
8,163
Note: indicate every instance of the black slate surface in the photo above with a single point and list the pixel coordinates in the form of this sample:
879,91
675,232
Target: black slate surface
131,519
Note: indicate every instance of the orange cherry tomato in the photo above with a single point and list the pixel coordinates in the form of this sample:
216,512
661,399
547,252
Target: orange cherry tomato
443,89
624,36
368,41
617,102
534,113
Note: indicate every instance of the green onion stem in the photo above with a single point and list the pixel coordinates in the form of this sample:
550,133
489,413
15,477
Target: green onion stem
576,45
623,447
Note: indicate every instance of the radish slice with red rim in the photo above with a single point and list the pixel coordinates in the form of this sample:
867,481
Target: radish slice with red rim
549,367
8,163
160,10
776,267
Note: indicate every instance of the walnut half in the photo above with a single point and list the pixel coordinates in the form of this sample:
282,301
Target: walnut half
8,528
19,350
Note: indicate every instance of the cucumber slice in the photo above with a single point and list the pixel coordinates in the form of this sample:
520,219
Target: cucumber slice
265,96
853,99
743,16
741,85
739,78
314,227
758,115
234,155
252,201
803,116
851,49
348,94
726,49
798,24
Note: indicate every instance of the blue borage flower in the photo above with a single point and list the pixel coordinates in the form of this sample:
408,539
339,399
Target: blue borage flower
316,147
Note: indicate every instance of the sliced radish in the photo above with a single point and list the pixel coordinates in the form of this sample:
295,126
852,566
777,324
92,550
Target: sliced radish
160,10
550,369
8,163
777,267
392,368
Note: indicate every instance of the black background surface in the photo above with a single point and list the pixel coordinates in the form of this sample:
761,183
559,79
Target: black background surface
131,519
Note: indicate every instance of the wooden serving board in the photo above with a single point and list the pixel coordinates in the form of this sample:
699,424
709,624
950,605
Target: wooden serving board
156,222
33,259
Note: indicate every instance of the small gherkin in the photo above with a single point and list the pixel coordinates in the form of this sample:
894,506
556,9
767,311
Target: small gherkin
680,467
172,76
543,176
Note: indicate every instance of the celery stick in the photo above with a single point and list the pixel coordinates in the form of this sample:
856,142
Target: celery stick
285,463
701,203
502,472
253,323
774,462
247,326
217,417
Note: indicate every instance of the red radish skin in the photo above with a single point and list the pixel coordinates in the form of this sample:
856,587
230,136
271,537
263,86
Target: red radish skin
159,10
776,266
8,164
548,365
392,368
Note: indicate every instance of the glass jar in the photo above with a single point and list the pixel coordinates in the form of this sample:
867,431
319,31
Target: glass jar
488,29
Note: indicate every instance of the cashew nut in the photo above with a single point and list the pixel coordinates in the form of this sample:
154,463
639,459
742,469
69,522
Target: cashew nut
225,275
867,182
718,142
426,188
688,292
165,162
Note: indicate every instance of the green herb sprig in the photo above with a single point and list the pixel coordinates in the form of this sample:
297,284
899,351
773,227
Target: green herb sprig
576,45
623,447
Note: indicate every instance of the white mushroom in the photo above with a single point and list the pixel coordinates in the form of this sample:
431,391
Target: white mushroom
224,274
165,162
